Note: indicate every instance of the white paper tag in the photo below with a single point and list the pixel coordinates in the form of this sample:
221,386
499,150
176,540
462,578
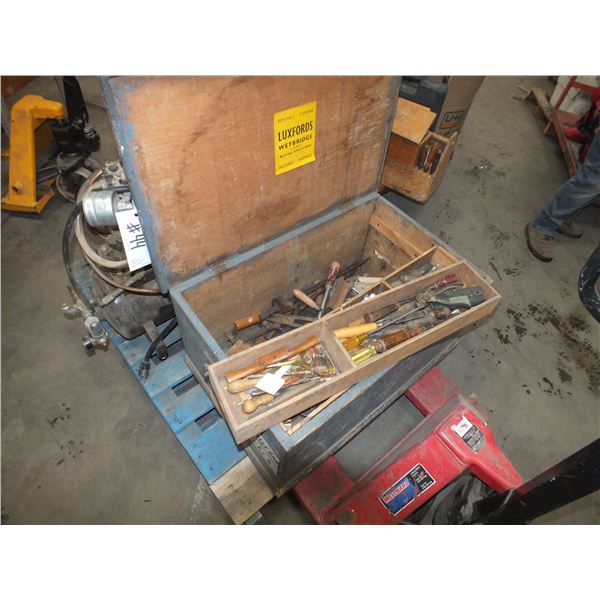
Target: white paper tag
462,427
271,383
133,239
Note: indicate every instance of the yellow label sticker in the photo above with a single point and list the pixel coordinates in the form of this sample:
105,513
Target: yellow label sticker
295,130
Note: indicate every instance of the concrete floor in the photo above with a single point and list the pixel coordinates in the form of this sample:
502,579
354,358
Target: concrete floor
82,444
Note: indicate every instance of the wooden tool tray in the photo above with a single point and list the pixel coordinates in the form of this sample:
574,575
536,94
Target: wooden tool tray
409,179
245,426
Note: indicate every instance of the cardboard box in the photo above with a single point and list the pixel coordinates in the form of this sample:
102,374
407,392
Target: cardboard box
460,95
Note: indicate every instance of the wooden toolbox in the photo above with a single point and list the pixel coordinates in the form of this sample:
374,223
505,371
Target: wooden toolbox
417,158
230,226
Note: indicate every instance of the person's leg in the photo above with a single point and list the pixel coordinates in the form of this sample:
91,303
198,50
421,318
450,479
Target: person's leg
575,194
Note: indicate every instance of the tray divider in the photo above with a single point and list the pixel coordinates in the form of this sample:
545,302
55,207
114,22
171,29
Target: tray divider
384,280
338,354
384,228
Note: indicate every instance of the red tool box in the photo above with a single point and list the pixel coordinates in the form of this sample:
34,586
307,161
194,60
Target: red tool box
452,438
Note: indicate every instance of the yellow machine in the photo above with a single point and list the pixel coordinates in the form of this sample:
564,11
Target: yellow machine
26,116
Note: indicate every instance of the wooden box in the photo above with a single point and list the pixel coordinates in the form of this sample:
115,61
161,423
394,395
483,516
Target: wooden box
411,124
409,179
226,233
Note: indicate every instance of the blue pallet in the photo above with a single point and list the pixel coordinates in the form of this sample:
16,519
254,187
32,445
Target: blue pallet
190,414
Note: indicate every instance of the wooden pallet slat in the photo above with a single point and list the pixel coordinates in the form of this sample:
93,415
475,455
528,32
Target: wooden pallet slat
242,491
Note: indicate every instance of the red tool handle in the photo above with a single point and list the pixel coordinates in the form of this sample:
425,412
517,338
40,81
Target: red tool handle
334,271
444,281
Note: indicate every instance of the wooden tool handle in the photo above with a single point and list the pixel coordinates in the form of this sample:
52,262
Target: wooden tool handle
313,340
247,322
250,405
258,366
401,336
241,373
334,271
306,299
235,387
375,315
272,357
346,332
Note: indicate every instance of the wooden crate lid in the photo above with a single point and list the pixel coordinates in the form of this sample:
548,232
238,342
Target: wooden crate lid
412,121
200,159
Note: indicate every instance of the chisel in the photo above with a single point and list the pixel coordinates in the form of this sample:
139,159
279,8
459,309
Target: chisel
278,305
305,298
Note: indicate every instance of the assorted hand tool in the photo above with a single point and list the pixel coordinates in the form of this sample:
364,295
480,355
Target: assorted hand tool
412,274
372,333
277,355
429,157
303,298
375,332
306,363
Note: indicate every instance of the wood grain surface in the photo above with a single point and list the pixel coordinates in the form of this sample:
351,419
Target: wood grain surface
201,151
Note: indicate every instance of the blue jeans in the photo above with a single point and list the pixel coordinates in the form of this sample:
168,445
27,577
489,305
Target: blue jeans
576,193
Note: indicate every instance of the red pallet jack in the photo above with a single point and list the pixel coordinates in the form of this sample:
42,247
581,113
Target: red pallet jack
453,438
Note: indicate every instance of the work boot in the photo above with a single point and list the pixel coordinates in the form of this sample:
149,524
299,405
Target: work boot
571,230
539,243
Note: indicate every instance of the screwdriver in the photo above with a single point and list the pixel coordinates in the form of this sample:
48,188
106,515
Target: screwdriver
406,308
334,271
359,329
427,319
354,342
385,343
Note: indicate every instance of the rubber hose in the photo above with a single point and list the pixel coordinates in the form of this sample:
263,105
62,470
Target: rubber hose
133,290
587,284
67,259
79,234
145,364
91,254
159,338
